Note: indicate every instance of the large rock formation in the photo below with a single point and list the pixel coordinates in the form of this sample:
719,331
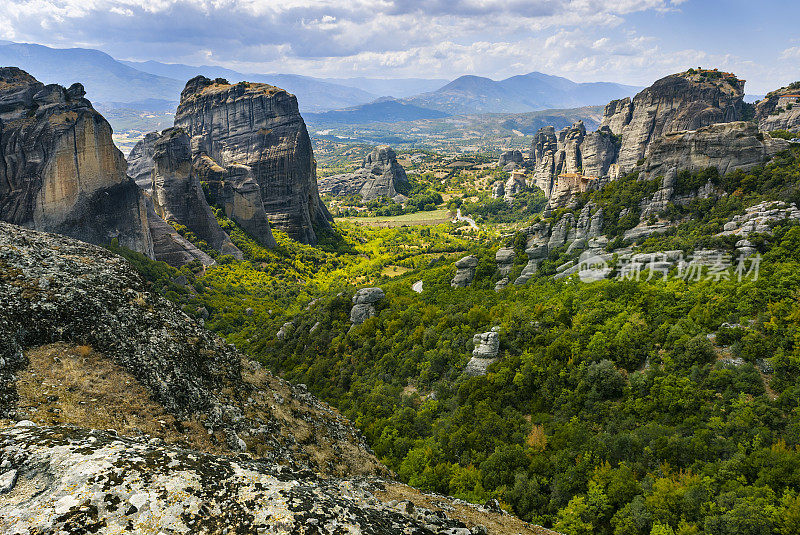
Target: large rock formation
56,289
169,246
487,346
251,144
510,157
140,161
60,169
780,110
726,146
364,304
571,151
177,194
465,272
686,101
379,176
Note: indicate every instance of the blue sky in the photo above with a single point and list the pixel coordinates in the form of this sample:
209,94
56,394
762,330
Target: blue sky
628,41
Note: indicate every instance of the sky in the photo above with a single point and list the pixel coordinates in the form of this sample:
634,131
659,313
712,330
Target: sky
625,41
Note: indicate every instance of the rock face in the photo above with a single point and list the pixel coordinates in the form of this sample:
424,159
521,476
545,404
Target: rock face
487,345
169,246
61,171
56,289
776,113
71,480
249,141
571,151
364,304
686,101
379,176
177,194
465,272
505,262
510,156
727,146
140,161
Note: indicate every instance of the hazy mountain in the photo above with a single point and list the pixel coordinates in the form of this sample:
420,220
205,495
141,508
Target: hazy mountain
313,94
385,110
518,94
395,87
105,79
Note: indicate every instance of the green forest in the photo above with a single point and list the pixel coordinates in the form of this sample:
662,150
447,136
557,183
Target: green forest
620,407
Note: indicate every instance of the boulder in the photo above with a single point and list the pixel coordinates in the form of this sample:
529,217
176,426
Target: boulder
257,127
487,346
62,172
510,156
465,272
364,304
505,262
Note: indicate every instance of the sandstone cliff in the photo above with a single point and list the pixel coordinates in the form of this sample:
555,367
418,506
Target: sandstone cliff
257,129
775,113
379,176
61,171
177,194
685,101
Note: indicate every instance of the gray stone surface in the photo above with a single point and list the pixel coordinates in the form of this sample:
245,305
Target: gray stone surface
177,194
379,176
62,172
673,103
258,127
465,272
726,146
140,161
75,480
96,298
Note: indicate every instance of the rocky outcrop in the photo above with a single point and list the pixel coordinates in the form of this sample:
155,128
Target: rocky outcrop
56,289
510,156
759,218
60,169
379,176
504,258
487,346
514,185
728,147
250,141
178,196
364,304
686,101
140,161
571,151
169,246
776,113
465,272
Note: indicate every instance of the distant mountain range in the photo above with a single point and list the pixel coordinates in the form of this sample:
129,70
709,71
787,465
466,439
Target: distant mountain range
385,110
519,94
